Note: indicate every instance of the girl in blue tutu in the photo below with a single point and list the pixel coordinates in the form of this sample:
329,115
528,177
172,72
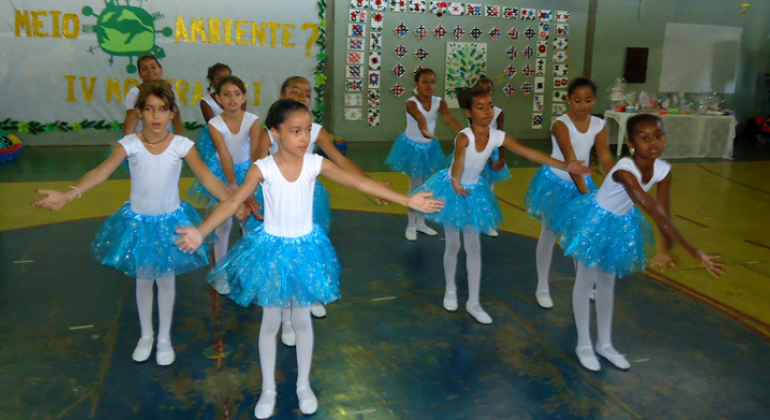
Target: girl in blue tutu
210,108
234,134
139,238
416,152
607,235
299,89
288,261
572,136
470,206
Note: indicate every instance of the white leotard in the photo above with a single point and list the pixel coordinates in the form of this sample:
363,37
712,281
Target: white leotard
413,130
581,143
238,145
613,196
474,160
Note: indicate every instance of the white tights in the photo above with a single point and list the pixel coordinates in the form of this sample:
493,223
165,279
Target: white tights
605,296
543,256
415,219
223,233
166,297
268,346
472,262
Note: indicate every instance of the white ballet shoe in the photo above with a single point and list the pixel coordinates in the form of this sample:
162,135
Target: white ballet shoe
143,349
544,299
608,352
423,228
164,354
477,312
450,300
588,359
592,295
492,233
318,310
308,403
265,405
288,334
221,286
411,234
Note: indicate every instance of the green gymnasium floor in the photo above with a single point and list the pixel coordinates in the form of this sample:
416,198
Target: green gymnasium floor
699,347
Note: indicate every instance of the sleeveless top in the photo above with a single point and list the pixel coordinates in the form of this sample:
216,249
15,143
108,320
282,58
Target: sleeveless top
612,195
238,145
475,161
581,143
413,130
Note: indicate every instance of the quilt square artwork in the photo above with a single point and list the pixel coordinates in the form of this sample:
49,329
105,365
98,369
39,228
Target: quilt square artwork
355,44
562,16
560,69
495,33
417,6
510,71
528,70
526,88
509,89
474,9
562,29
492,11
528,14
358,16
374,79
539,84
559,96
374,98
458,32
421,53
530,33
512,52
374,117
476,33
559,109
513,34
353,85
355,57
400,51
544,28
375,41
377,20
510,12
375,60
456,9
466,62
439,32
560,43
538,103
353,114
542,48
359,4
401,30
560,82
421,32
529,52
353,71
353,99
540,67
537,121
356,29
379,5
560,56
433,6
544,15
399,70
397,5
397,90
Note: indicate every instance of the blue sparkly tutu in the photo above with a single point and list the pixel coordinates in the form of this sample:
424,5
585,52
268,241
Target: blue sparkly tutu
492,177
417,160
143,246
322,211
204,145
278,272
479,210
601,239
547,194
200,195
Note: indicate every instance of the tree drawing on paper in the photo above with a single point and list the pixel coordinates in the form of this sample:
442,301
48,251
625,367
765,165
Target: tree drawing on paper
466,62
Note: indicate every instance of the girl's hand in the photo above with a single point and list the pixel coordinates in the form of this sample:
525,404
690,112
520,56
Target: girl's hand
253,207
576,167
53,201
422,202
462,192
663,260
427,134
231,188
707,261
190,241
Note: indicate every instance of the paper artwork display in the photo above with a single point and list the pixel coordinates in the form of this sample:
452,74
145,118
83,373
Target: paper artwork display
560,82
353,71
456,9
509,89
528,14
491,11
476,33
421,32
356,29
512,52
474,9
562,29
526,88
495,33
397,90
397,5
539,84
542,48
559,96
562,16
377,20
537,121
358,16
375,60
433,7
510,12
374,117
353,114
510,71
458,32
418,69
527,70
401,30
466,62
374,98
353,85
374,79
540,67
439,32
538,103
545,15
354,99
400,51
560,56
359,4
513,34
544,28
530,33
417,6
378,5
560,43
355,44
355,57
529,52
558,109
399,70
421,53
560,69
375,41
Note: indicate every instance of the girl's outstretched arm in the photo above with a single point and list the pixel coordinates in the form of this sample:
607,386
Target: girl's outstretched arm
449,119
420,201
458,166
603,153
663,221
422,123
55,200
193,237
574,167
224,158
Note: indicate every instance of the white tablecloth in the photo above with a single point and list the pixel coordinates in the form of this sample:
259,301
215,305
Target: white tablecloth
688,136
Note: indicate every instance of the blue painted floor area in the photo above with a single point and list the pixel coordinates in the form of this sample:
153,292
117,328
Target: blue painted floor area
401,356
